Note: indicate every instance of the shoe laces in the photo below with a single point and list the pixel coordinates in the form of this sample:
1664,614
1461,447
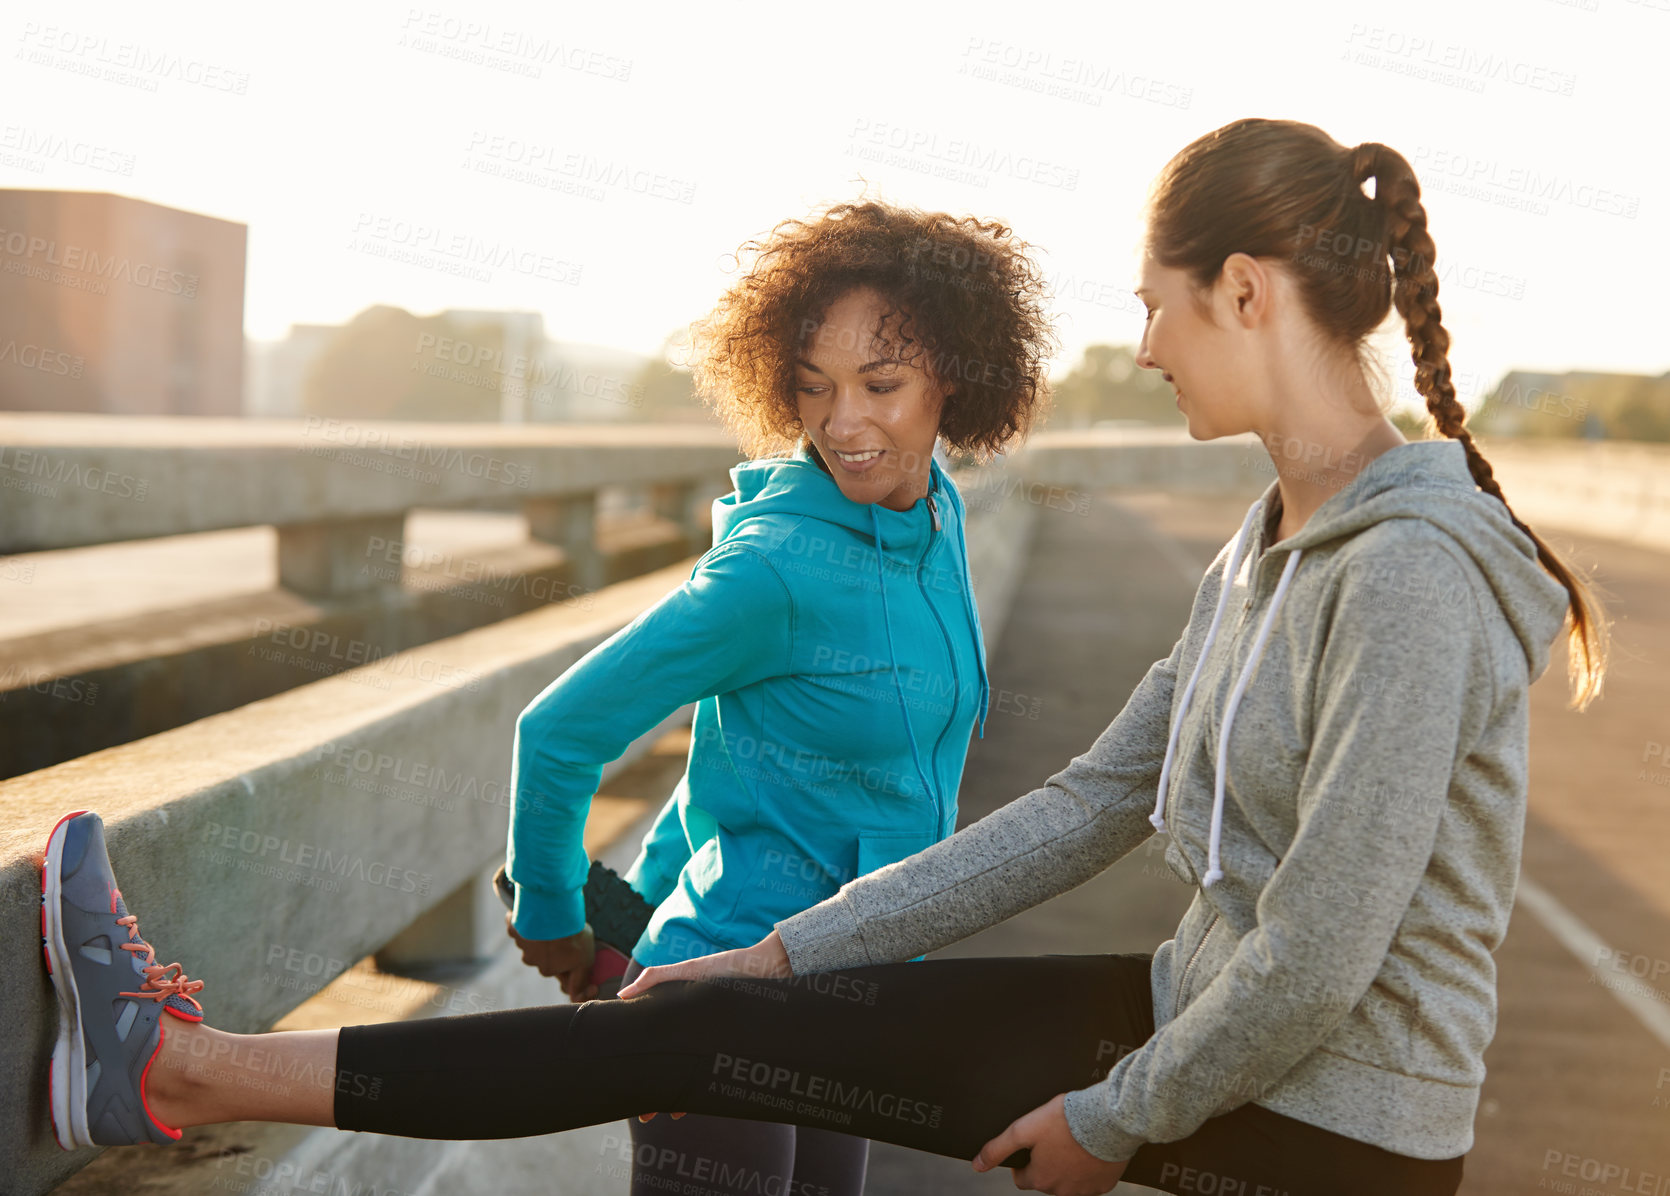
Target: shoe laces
159,985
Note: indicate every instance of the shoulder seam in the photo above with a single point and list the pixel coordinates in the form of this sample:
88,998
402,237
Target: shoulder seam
765,559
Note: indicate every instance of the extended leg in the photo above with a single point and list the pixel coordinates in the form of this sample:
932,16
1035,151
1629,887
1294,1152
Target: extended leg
938,1055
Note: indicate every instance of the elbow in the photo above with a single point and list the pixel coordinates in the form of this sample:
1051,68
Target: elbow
536,716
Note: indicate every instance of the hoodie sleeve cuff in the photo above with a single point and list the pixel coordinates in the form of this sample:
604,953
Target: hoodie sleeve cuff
539,916
1087,1121
823,938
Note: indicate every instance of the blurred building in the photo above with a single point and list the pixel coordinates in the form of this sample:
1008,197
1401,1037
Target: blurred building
520,352
117,305
275,370
1579,403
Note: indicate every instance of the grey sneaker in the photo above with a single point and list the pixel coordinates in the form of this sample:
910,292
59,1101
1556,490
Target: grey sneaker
111,995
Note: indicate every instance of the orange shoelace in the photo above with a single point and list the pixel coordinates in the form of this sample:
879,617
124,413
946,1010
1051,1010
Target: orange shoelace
159,985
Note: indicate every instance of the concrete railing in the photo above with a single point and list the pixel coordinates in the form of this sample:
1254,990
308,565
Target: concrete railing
337,494
331,487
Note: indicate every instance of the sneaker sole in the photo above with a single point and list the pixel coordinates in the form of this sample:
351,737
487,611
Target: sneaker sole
68,1079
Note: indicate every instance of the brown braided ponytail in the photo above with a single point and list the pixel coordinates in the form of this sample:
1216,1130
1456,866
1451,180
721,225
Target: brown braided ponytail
1286,190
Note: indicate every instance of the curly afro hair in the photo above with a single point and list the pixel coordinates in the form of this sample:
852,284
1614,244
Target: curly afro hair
965,303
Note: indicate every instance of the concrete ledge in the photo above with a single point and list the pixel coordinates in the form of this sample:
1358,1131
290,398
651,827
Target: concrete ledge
71,480
333,816
77,690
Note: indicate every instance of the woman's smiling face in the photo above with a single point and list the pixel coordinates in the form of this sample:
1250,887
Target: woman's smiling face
871,417
1195,354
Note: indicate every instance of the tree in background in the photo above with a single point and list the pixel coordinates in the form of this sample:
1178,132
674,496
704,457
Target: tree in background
387,363
664,391
1106,385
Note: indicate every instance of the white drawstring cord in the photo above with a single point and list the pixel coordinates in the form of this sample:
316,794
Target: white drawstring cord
1230,569
1213,872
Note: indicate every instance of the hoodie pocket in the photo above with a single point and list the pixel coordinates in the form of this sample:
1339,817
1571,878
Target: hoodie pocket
1193,965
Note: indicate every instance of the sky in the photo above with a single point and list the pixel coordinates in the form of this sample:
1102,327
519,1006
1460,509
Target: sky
601,167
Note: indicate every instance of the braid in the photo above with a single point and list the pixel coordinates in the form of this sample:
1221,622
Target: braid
1415,295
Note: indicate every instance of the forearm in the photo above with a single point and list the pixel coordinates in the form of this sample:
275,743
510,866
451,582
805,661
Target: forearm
1036,847
546,850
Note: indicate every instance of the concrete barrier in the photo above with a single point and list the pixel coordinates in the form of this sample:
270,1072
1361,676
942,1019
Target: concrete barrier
74,480
330,816
75,690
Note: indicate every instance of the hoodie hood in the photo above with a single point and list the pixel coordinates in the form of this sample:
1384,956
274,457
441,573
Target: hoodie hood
796,485
1423,479
1429,479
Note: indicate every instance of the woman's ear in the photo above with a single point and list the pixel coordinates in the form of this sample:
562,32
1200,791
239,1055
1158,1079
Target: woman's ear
1245,285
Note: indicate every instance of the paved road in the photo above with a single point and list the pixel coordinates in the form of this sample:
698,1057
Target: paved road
1579,1086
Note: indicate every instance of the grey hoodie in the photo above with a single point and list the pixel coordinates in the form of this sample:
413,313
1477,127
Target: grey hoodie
1355,849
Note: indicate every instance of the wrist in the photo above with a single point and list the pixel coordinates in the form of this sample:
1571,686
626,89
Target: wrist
539,916
1089,1124
774,955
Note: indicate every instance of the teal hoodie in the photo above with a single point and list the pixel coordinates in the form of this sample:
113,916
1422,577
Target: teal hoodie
835,687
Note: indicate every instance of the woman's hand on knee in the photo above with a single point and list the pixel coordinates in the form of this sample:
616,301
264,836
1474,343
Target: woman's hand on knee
1059,1165
765,959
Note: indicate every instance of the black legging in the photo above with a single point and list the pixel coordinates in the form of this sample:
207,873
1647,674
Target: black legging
939,1055
703,1155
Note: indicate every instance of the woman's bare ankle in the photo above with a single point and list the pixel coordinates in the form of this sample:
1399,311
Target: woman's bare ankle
182,1076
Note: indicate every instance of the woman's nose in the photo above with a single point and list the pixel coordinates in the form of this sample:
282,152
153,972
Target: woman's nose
846,415
1143,360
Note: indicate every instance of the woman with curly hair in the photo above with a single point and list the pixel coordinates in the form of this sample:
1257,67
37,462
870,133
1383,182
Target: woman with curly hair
829,638
1318,1023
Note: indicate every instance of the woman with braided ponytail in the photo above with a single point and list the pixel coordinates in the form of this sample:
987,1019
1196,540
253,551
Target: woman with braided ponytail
1336,749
